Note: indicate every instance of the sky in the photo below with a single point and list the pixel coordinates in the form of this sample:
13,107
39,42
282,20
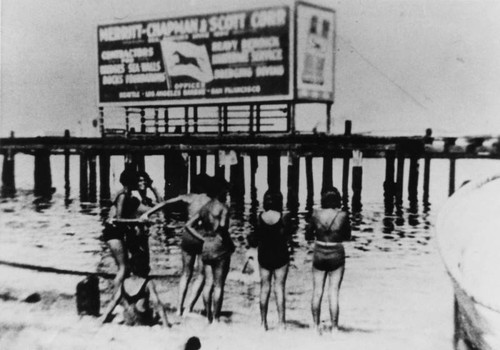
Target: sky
401,66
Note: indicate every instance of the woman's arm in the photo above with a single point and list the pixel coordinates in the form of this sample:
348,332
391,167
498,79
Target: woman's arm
191,230
161,205
119,206
114,301
158,305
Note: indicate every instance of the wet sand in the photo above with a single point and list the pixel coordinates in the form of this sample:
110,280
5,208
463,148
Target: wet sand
388,301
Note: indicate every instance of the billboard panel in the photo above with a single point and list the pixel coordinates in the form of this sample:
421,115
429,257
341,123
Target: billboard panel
224,57
315,53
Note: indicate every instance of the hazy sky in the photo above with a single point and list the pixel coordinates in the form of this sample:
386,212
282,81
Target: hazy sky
402,66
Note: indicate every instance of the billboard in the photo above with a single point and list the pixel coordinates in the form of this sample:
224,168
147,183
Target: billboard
225,57
315,53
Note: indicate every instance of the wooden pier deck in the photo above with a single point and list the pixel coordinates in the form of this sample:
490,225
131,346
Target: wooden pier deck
179,170
316,144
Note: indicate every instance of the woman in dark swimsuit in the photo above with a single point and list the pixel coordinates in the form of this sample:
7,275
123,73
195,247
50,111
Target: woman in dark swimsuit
211,228
123,238
271,237
330,226
135,295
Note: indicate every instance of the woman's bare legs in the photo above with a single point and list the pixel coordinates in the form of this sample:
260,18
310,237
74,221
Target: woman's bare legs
333,295
197,286
319,278
220,271
188,261
120,255
265,292
279,293
207,291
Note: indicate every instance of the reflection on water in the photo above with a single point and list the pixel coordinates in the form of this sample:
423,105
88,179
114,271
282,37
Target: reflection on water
64,231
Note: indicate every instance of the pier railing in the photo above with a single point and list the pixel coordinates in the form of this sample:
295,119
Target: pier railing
209,119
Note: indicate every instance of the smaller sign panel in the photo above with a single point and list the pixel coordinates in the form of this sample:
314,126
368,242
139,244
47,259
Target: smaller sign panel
315,53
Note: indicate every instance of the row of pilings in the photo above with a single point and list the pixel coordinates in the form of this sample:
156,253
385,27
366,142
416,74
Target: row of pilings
179,169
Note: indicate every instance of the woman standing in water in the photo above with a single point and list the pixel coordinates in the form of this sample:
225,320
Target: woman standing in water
190,246
210,226
330,226
271,237
124,238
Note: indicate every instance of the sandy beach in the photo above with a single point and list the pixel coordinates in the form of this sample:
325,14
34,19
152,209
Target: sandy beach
388,301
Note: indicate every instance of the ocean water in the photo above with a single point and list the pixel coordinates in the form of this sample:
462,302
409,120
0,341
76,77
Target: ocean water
394,278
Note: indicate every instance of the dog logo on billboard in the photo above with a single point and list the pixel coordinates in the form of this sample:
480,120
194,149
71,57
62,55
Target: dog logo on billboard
182,58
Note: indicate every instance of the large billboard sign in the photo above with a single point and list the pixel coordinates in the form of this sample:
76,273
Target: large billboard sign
224,57
278,53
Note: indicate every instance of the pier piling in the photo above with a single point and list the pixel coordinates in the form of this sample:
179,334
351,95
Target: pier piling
43,175
357,185
176,174
67,181
218,169
310,182
273,171
92,178
293,182
427,172
203,163
84,180
389,185
327,173
254,164
139,161
413,179
237,180
104,165
193,165
451,187
399,179
8,175
345,181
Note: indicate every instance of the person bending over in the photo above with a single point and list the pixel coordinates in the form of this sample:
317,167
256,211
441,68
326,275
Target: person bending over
190,246
135,294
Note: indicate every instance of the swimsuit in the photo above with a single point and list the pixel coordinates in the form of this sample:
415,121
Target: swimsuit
120,230
272,245
132,314
217,246
328,257
190,244
134,238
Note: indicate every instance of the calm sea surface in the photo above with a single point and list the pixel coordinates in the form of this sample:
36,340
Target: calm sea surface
65,233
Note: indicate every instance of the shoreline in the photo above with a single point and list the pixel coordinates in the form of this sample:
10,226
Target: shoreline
401,312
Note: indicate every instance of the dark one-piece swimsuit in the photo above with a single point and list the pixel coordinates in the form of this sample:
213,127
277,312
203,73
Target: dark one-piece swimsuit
272,244
132,315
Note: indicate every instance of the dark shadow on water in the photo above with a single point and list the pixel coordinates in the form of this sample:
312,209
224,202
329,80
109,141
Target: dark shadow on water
297,324
348,329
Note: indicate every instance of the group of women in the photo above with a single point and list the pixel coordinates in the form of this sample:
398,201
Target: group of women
207,247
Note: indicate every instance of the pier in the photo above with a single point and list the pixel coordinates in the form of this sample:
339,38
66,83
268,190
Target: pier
400,153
